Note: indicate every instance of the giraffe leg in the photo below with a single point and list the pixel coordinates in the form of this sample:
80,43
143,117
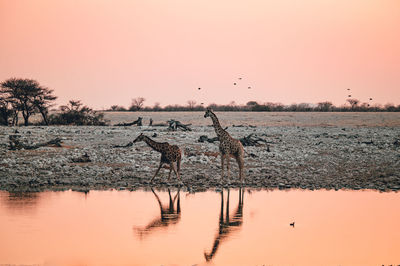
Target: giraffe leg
228,169
175,171
170,170
222,165
178,165
240,162
159,167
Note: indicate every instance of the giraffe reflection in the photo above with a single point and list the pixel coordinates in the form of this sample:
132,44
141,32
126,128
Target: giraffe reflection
169,215
227,225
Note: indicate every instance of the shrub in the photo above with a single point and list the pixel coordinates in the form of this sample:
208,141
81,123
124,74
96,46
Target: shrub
75,114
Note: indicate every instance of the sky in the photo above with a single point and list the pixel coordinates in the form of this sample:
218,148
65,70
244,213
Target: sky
105,52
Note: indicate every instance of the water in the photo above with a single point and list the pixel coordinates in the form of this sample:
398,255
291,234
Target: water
130,228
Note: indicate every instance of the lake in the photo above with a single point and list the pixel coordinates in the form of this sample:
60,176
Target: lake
228,227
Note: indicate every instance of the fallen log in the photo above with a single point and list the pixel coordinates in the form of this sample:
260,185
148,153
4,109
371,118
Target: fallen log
204,138
250,140
83,159
137,122
174,125
16,144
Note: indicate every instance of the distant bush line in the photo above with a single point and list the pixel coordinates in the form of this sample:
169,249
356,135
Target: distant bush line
26,97
267,107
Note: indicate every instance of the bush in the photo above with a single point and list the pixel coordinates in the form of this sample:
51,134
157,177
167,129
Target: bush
76,114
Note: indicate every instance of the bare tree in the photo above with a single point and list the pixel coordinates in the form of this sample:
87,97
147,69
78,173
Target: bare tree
324,106
353,103
157,106
43,102
117,108
137,104
389,107
191,104
114,107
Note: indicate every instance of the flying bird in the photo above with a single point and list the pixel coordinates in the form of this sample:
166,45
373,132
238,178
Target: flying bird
239,78
349,95
199,88
249,87
292,224
234,83
348,89
370,99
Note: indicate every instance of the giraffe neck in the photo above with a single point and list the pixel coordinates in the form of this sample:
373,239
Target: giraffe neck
217,126
153,144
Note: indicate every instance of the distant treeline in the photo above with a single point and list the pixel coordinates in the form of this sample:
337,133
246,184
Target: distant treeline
26,97
352,105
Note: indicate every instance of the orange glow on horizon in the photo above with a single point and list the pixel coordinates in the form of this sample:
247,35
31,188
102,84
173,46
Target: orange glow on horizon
107,52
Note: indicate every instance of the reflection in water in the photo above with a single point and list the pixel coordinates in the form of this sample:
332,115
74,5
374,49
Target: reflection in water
24,202
168,215
332,228
229,225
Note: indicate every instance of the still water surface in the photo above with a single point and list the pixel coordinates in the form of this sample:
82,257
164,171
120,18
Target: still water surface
233,227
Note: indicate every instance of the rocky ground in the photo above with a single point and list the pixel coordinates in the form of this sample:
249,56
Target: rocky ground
298,157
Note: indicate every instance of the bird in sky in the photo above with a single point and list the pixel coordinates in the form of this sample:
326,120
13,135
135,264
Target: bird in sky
370,99
234,83
249,87
199,88
349,95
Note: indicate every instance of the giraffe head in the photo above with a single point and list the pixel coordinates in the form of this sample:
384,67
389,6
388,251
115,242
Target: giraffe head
141,137
208,112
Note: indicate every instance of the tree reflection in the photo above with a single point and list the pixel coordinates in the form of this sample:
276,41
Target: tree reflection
227,225
169,215
21,202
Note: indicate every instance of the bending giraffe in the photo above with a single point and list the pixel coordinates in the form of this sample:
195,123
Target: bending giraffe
170,154
169,215
228,146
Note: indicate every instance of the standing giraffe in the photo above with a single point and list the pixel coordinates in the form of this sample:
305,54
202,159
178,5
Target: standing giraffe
227,224
227,146
169,154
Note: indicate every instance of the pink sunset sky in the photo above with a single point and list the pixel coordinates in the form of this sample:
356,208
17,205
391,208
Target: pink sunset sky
108,52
